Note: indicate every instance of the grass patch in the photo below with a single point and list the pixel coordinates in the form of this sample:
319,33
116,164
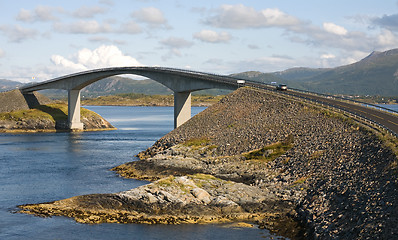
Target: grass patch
53,112
202,176
270,152
300,180
140,99
166,182
390,142
202,180
197,142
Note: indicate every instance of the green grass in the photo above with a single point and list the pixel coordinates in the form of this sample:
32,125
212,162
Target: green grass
300,180
197,142
277,149
139,99
166,182
53,112
203,176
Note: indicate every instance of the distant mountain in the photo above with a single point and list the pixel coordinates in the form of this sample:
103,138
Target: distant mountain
300,74
6,85
118,85
377,74
115,85
269,78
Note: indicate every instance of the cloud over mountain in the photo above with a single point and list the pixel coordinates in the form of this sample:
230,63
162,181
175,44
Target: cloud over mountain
212,36
101,57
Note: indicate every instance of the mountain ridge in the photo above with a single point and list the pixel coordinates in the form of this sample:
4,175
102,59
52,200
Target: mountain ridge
376,75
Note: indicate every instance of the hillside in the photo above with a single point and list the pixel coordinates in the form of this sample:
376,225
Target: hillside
37,113
376,74
14,100
8,85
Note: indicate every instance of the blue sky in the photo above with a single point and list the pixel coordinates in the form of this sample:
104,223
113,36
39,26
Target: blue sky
43,39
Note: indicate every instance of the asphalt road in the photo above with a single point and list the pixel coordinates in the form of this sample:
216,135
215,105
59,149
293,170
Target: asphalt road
386,119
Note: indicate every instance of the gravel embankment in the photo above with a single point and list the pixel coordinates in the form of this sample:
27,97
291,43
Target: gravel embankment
347,177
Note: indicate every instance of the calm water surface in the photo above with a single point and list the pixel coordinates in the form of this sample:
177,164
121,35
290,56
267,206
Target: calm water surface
390,106
45,167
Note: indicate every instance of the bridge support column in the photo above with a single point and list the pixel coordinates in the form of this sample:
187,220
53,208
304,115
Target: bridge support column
74,110
182,108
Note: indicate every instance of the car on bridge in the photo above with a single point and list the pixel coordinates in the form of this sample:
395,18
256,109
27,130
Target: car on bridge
281,87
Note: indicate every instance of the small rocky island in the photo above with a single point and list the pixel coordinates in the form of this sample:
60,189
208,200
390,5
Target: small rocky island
292,167
37,113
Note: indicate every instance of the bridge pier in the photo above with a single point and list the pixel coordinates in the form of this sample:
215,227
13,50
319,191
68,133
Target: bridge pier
182,108
74,110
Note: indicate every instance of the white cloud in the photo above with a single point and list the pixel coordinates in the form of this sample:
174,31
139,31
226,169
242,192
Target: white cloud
335,29
240,16
328,56
106,40
387,21
328,35
131,28
41,13
107,2
67,64
88,12
101,57
150,15
2,53
17,33
387,39
85,59
212,36
84,27
176,43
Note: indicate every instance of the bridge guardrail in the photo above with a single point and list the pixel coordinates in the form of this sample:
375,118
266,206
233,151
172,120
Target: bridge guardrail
355,115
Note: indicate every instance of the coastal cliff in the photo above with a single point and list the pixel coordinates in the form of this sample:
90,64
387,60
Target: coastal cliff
285,165
37,113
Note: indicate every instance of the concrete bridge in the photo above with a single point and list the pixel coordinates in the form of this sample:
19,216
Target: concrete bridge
181,82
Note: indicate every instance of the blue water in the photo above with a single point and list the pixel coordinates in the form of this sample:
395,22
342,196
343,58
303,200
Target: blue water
390,106
45,167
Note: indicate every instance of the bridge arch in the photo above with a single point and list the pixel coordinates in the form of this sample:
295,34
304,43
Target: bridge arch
181,82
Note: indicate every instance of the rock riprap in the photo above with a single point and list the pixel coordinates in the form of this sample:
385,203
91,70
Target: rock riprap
260,157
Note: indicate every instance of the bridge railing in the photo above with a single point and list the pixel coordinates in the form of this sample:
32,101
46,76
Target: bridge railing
352,114
348,100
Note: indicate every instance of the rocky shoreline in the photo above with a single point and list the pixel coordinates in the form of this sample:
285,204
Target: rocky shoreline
37,113
296,169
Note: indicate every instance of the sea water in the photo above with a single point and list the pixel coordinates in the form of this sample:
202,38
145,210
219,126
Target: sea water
43,167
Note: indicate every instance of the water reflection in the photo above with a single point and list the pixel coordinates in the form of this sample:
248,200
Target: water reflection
74,142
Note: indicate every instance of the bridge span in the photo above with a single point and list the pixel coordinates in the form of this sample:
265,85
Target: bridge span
181,82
